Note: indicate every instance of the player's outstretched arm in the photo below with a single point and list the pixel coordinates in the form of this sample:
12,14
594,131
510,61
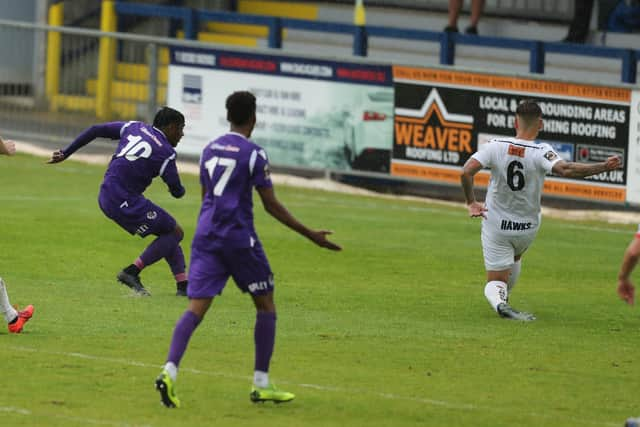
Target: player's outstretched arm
471,167
626,290
105,130
580,170
276,209
7,148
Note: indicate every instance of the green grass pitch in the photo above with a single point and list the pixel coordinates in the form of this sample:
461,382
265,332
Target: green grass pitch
393,331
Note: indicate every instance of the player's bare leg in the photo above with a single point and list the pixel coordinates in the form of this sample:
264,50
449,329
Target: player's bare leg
476,11
454,11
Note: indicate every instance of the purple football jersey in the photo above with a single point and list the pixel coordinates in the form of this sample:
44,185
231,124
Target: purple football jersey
230,167
142,154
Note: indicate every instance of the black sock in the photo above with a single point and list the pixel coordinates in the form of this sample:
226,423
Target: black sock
14,320
182,285
132,269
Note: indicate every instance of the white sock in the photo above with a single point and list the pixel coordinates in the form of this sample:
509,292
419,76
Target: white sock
172,370
261,379
513,276
9,312
496,293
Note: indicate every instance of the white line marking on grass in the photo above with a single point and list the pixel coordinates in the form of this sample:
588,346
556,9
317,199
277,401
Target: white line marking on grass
96,422
82,420
350,392
630,232
16,198
15,410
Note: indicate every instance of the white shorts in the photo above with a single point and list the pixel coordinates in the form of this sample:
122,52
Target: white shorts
500,249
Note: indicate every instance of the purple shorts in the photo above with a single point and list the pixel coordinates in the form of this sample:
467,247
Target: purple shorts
136,214
209,271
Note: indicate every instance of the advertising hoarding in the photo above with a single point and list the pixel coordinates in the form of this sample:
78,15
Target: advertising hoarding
311,113
442,117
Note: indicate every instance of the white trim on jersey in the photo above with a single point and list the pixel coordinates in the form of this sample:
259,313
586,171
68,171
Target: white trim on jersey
202,156
166,162
126,125
252,161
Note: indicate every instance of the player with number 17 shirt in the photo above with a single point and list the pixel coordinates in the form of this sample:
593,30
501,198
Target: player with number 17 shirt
143,153
225,245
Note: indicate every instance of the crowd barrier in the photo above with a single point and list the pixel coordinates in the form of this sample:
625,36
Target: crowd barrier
192,18
354,115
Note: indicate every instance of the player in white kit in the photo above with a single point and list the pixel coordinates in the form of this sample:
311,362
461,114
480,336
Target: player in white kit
15,318
511,212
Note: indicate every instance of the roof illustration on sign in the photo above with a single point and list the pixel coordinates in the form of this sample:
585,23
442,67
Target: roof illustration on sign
432,104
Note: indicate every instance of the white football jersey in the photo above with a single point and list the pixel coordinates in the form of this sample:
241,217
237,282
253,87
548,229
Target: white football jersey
518,168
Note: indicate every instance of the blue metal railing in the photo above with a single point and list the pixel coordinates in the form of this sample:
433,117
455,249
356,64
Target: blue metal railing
191,19
187,15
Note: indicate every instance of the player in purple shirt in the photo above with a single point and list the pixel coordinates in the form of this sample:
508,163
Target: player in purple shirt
143,153
226,245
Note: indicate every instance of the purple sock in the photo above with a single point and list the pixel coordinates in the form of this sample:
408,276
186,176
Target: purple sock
264,336
181,335
161,247
176,261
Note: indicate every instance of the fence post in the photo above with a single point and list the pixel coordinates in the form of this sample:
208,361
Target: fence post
629,66
447,48
106,60
537,58
54,49
152,97
190,22
360,41
275,33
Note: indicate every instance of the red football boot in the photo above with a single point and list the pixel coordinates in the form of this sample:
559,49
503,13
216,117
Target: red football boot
23,317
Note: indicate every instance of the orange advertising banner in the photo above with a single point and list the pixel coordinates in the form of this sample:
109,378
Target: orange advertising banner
551,186
486,81
451,176
443,116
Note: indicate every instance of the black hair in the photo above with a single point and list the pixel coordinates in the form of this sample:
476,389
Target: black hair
241,107
167,116
529,109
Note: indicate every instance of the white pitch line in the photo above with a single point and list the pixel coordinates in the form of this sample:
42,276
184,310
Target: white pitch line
350,392
38,199
82,420
15,410
606,230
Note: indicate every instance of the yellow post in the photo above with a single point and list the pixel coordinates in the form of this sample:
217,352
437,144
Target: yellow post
359,17
54,48
106,60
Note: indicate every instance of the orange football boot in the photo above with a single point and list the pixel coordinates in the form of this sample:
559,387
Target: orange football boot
23,317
